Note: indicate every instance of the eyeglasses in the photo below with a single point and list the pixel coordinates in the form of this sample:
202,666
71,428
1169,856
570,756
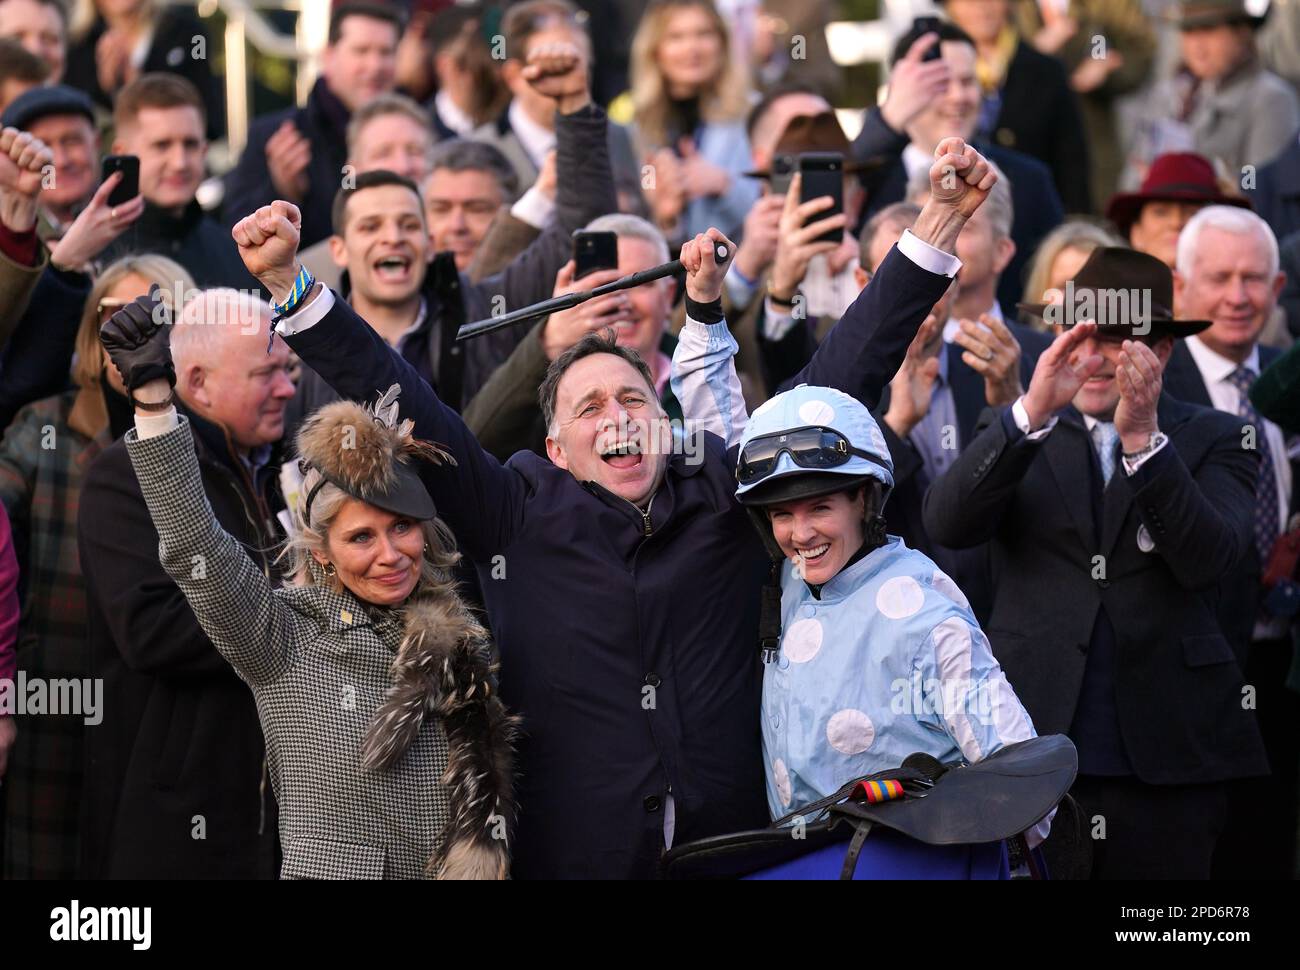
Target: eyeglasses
814,448
108,306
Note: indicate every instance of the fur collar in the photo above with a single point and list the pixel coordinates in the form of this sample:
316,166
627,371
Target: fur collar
444,668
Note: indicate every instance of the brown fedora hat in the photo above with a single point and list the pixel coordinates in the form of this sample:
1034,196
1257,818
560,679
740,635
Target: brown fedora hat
1172,177
1211,13
1122,290
815,133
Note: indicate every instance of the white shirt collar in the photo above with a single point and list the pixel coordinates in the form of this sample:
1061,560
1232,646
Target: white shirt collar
451,115
1214,367
535,139
954,324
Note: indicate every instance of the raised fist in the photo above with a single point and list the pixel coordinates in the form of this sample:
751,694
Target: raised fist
138,342
268,245
960,177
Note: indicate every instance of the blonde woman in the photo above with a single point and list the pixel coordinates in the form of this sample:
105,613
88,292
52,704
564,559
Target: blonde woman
43,459
388,749
689,98
112,42
1059,257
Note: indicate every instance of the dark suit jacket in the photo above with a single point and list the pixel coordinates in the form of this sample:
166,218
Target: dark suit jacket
1241,590
1276,195
1177,684
1040,117
1037,207
967,567
592,780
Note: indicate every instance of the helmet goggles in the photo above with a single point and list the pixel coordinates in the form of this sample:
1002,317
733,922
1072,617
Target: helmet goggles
815,448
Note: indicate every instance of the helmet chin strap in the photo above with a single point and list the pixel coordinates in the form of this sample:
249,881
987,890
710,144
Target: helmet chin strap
769,615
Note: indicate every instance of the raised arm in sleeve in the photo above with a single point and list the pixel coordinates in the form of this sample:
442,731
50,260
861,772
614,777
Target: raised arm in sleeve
480,499
705,381
230,595
584,190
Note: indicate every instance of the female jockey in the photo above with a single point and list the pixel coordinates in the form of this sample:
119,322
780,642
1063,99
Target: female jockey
880,655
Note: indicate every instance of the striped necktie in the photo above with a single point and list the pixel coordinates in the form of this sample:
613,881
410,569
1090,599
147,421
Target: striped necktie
1266,503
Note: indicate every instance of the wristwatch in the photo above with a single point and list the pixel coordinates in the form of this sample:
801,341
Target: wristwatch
162,405
1157,439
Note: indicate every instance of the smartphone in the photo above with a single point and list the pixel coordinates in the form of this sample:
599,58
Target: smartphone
822,173
928,25
593,251
783,169
129,187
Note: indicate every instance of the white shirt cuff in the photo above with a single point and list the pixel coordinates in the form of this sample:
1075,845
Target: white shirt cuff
155,425
1131,467
534,207
1021,418
310,315
927,257
776,322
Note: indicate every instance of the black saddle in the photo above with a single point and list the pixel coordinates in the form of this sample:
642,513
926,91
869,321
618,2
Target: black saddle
995,799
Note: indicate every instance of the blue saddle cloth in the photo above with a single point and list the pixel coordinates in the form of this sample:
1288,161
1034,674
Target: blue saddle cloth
888,855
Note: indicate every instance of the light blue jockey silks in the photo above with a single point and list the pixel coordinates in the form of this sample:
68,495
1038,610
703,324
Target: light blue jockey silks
890,661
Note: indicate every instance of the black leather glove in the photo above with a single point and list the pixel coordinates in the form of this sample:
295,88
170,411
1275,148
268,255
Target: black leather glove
138,341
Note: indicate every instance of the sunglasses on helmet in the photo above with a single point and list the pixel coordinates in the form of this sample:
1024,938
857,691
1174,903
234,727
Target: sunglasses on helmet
813,448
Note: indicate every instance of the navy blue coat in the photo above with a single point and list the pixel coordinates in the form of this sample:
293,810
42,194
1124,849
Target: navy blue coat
588,611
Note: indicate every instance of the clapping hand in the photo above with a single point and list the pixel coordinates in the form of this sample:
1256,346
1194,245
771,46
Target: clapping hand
992,351
1057,377
1139,374
912,388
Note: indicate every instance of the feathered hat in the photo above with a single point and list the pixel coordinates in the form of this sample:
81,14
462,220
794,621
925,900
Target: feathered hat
369,454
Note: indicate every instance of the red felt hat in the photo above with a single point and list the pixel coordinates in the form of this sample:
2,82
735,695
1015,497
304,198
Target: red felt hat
1173,177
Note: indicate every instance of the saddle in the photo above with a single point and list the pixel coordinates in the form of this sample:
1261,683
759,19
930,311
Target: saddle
990,801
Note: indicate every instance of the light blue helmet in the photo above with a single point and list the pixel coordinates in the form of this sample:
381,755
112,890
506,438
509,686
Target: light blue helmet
814,407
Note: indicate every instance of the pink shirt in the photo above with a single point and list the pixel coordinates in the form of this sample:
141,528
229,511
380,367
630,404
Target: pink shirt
8,600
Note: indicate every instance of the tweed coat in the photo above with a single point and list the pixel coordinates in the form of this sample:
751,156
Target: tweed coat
318,663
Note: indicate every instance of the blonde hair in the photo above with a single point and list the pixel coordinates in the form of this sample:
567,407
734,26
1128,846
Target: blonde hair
439,558
89,363
727,99
1072,234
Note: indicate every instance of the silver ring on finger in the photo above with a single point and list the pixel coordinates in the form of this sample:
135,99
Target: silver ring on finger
112,213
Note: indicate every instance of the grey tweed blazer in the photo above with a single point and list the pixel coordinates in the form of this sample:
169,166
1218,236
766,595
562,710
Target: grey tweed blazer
318,663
